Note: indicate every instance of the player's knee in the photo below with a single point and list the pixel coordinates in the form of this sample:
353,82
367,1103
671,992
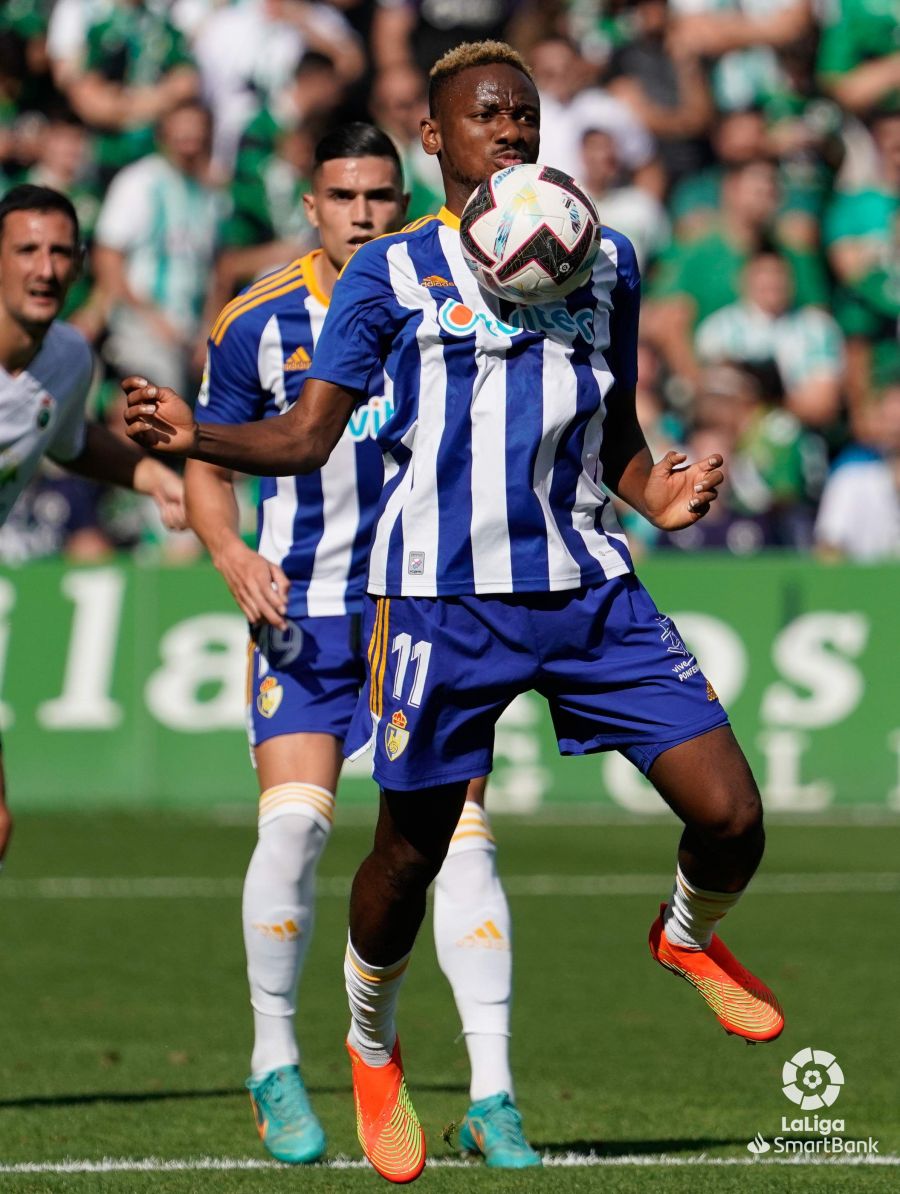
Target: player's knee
735,817
292,844
407,871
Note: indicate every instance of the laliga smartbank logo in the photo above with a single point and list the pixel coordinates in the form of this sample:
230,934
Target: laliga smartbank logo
812,1079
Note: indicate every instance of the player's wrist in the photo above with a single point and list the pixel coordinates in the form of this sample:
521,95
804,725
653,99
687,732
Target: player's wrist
228,550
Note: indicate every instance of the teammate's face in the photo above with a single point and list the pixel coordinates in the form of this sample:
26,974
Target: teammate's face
352,201
489,118
38,263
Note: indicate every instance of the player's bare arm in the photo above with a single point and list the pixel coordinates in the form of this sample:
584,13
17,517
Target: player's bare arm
299,441
258,586
109,459
668,494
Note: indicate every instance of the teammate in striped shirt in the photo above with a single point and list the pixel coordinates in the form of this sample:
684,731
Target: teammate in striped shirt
302,593
46,369
498,567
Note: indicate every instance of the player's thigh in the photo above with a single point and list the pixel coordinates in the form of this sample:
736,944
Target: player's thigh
707,782
416,827
618,676
299,758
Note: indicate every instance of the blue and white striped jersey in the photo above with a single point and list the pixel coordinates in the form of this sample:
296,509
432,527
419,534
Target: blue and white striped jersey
493,482
317,527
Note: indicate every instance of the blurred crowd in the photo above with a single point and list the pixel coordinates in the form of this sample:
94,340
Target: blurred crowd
749,148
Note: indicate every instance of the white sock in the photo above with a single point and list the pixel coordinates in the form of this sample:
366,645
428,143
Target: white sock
692,915
372,993
278,913
472,935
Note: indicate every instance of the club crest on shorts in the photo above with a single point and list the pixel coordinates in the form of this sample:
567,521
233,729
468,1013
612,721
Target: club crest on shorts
396,736
270,697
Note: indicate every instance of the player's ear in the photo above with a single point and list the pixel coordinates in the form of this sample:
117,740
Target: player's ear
430,131
309,208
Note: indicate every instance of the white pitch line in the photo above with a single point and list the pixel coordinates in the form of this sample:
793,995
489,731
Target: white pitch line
338,886
551,1161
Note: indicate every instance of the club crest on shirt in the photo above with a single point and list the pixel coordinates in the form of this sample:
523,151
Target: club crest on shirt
396,736
44,411
270,697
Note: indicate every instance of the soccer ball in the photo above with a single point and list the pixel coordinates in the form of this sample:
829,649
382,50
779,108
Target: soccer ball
529,234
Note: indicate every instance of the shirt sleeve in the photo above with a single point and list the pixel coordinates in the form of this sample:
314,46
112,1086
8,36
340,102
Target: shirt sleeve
68,439
623,320
361,323
230,390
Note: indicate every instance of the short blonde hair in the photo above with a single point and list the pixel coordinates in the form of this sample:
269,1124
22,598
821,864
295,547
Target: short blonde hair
471,53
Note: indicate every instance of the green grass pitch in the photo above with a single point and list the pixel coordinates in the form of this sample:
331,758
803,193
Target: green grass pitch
124,1030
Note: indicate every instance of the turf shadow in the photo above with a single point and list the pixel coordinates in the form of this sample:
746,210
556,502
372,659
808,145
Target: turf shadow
162,1096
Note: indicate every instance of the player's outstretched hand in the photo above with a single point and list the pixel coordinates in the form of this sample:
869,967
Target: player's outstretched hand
259,587
675,496
157,418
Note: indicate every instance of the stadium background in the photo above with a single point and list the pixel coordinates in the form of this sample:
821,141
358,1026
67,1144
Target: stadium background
719,132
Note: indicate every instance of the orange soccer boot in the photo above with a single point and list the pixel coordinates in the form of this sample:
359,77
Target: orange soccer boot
386,1122
742,1003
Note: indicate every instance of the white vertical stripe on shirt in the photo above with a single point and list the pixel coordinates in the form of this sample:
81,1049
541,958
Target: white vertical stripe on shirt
419,516
378,555
559,385
270,362
278,512
491,548
340,508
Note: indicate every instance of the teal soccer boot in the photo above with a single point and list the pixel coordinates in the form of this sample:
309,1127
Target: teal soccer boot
286,1123
493,1128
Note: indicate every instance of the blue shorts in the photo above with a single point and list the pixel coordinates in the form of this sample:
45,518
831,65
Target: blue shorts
441,671
304,680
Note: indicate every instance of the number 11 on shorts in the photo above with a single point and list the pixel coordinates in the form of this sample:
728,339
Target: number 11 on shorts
420,653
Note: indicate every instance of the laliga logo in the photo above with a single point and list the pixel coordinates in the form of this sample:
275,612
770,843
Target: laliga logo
812,1079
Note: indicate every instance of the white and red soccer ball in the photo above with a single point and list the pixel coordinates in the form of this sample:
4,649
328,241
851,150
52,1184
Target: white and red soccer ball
530,234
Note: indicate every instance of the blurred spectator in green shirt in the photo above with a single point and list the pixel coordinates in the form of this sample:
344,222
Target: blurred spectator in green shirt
697,277
397,105
804,344
153,251
621,204
266,226
862,238
775,467
859,54
663,83
137,68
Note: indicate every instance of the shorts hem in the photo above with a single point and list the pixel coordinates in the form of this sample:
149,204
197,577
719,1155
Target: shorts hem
571,747
434,780
257,741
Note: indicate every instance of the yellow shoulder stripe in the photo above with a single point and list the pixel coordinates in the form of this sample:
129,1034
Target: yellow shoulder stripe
256,294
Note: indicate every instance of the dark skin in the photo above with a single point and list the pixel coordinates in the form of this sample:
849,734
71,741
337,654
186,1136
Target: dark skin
487,117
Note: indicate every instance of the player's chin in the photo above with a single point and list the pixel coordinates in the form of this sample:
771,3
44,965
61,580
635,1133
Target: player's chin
41,313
